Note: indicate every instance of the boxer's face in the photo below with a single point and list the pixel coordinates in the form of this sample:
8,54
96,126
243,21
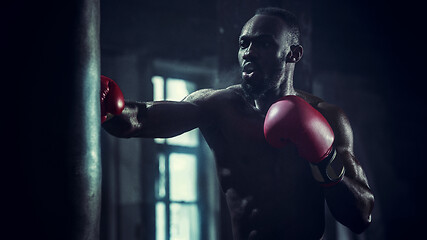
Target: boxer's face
262,53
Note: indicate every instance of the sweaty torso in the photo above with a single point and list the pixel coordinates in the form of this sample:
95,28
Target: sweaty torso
270,192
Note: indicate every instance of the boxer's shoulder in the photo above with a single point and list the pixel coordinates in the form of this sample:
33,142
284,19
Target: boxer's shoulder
318,103
206,97
313,100
328,110
334,115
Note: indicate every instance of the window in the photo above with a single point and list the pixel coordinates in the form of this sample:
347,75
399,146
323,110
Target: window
177,198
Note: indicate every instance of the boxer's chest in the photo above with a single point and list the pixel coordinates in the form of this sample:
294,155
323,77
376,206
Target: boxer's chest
248,157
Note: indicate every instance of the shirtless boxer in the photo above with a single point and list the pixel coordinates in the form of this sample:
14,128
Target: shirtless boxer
272,192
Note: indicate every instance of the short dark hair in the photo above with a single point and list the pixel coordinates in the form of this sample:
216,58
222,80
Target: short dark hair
289,18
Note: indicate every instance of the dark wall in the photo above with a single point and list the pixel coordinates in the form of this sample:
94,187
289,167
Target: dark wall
178,30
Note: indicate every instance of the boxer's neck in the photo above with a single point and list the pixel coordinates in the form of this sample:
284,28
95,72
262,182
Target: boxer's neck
284,88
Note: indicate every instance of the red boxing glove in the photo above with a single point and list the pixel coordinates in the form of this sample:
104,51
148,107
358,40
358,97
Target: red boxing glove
112,100
292,119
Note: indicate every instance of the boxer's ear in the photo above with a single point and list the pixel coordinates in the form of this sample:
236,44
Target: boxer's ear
295,54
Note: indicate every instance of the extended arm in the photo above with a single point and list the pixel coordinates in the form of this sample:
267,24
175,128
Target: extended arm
350,201
154,119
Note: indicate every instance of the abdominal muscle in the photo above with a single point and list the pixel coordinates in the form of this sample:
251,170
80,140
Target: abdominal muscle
272,201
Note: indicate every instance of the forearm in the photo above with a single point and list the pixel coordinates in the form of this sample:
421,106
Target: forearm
351,201
128,123
161,119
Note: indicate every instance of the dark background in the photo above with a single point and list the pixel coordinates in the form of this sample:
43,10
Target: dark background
367,57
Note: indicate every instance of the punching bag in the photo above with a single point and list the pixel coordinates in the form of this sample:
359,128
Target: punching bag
51,77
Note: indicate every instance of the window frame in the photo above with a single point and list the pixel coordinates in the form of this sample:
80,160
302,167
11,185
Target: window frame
166,149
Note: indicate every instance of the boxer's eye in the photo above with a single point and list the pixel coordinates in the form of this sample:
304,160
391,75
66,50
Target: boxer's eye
243,44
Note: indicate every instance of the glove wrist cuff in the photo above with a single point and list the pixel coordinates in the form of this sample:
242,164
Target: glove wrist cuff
328,172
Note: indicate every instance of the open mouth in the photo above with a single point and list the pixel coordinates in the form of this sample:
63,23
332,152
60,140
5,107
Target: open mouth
249,68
